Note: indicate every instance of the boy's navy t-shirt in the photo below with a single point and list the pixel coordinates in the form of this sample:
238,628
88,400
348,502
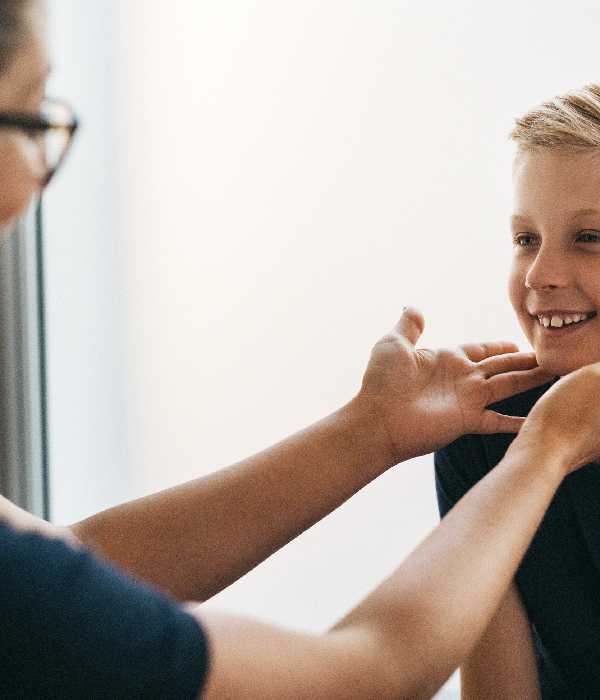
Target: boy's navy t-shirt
73,626
559,578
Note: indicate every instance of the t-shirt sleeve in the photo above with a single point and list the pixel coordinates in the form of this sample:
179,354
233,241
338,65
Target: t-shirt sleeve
74,626
458,467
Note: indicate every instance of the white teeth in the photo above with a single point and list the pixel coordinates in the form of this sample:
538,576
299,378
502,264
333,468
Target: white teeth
558,322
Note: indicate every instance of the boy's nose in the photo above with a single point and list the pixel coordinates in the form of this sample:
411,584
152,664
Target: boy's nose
549,270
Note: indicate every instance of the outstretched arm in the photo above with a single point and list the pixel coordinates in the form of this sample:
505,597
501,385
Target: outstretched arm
410,634
196,539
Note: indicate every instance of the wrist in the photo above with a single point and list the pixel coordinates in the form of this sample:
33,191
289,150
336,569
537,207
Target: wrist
547,457
368,432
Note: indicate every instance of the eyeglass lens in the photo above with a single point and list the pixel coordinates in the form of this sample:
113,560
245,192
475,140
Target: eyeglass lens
57,138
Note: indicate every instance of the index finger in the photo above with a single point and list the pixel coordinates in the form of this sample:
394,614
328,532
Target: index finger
476,352
509,362
501,386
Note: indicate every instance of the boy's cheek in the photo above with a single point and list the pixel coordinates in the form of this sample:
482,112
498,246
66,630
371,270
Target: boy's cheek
517,292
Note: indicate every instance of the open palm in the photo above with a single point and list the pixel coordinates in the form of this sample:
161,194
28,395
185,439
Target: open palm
427,398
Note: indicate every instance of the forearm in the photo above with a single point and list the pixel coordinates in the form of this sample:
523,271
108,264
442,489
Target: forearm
431,612
503,666
197,538
407,637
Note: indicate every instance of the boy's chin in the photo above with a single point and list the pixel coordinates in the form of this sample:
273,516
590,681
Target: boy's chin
561,366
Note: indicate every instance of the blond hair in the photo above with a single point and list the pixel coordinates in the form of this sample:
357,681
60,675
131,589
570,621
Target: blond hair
571,120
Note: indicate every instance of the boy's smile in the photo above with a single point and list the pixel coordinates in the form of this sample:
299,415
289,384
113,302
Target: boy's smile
554,282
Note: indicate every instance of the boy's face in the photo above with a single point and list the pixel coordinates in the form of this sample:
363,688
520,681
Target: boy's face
554,282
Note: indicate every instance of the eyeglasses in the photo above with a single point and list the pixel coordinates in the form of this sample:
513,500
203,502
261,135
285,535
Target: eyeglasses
52,129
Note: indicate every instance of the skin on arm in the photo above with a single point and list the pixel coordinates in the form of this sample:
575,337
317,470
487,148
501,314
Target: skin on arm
409,635
196,539
502,666
22,520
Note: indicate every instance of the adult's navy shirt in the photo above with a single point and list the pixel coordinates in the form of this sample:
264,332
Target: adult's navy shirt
559,578
74,627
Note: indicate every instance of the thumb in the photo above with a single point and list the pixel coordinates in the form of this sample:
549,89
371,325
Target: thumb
493,422
411,324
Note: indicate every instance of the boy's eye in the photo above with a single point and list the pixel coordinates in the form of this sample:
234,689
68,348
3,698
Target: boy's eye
589,237
524,239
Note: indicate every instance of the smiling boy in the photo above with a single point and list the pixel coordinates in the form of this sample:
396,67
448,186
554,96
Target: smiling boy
544,641
554,283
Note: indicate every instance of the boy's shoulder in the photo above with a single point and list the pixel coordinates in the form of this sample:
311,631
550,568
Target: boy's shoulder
521,404
462,463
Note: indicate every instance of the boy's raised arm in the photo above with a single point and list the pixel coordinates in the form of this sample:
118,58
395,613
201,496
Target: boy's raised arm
196,539
503,664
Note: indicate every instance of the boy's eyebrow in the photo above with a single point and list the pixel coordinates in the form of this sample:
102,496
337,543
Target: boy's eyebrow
519,219
586,212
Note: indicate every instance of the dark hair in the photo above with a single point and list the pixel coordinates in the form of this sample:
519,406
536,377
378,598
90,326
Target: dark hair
11,29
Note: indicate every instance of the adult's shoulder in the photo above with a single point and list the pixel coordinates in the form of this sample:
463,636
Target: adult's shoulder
76,626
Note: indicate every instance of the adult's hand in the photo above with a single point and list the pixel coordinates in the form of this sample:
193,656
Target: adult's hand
427,398
196,539
566,420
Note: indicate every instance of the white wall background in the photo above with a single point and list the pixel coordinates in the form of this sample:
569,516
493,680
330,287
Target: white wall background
257,190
